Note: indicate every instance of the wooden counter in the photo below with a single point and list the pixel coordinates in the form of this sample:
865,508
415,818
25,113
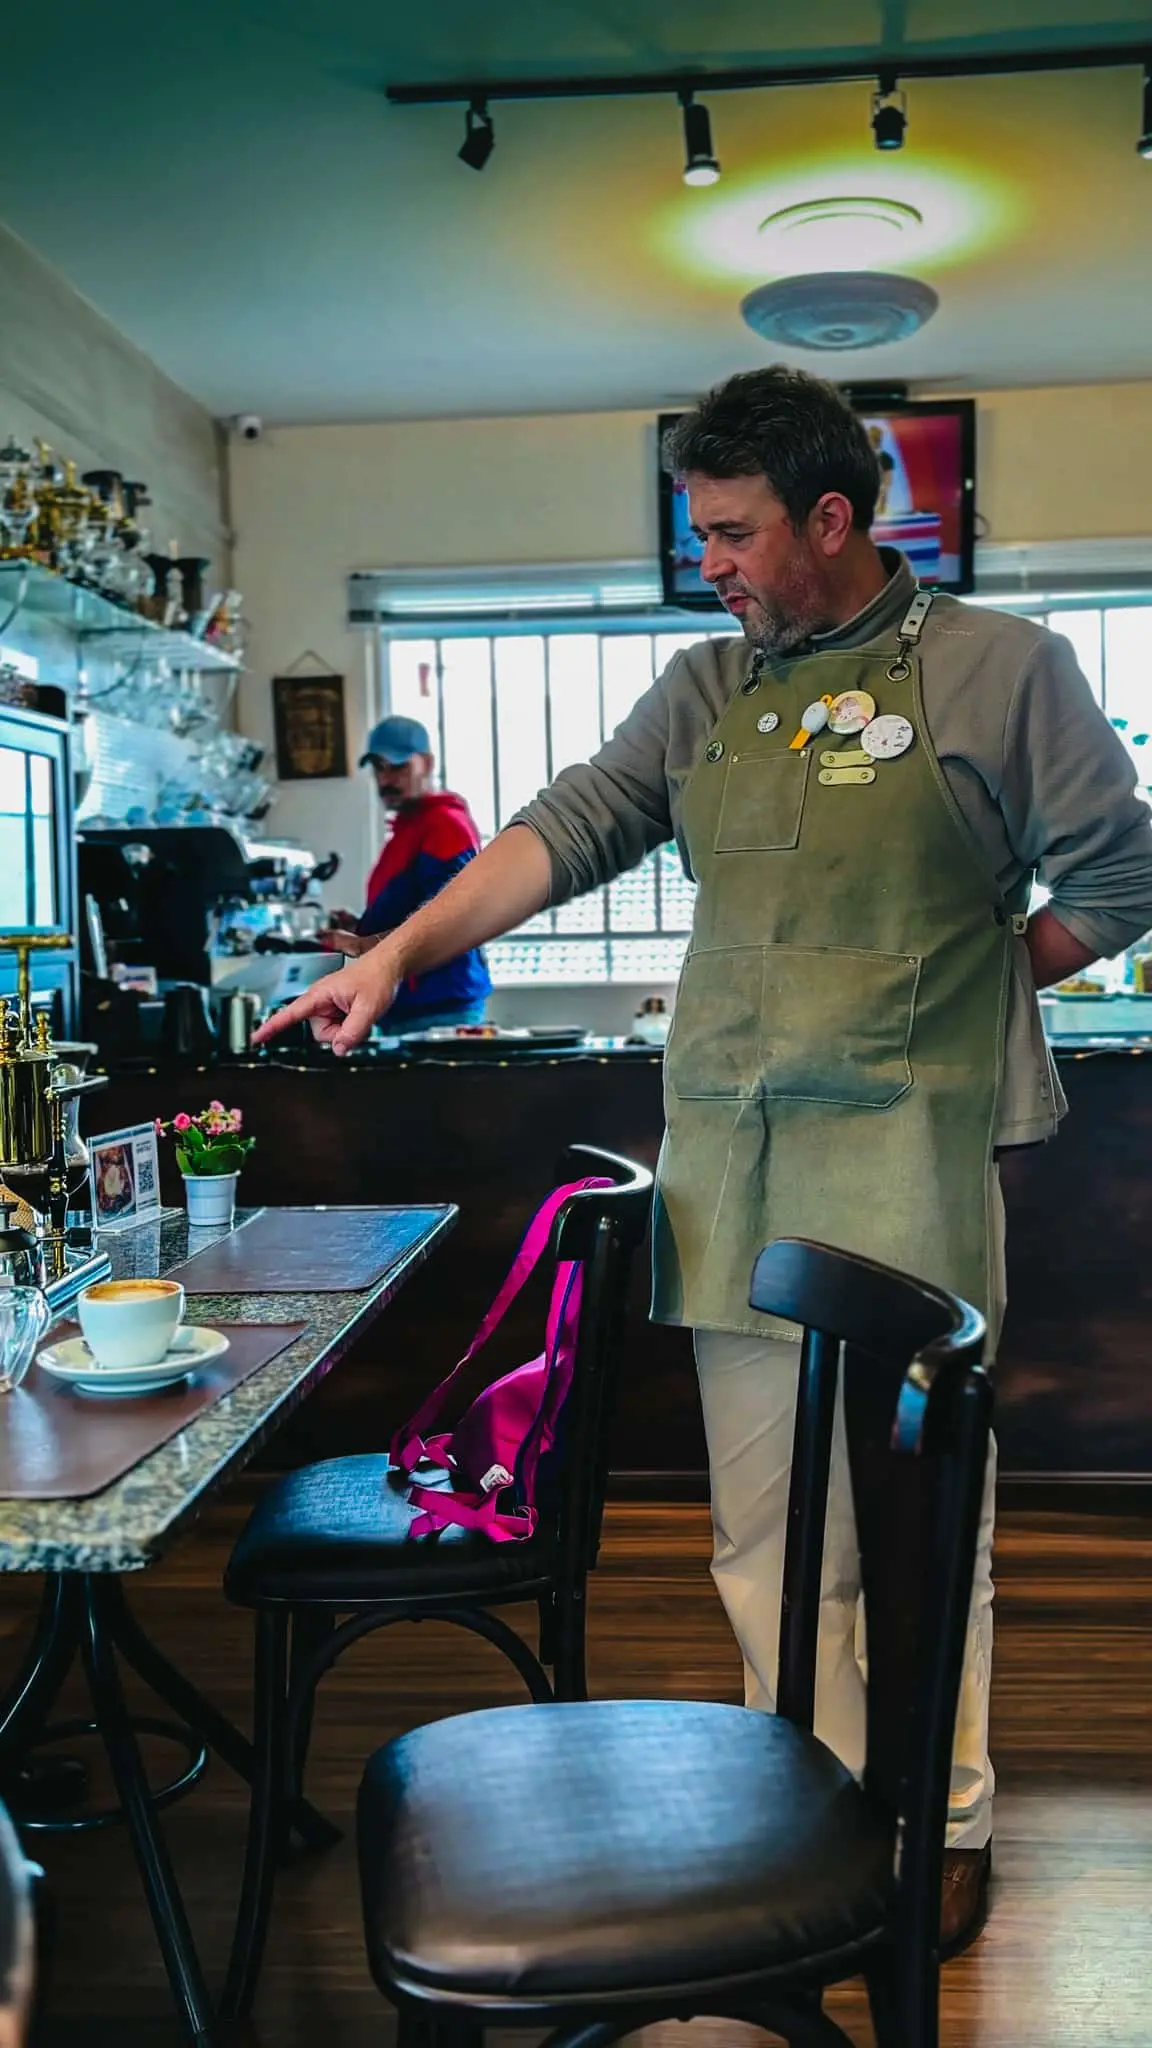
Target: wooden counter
1071,1381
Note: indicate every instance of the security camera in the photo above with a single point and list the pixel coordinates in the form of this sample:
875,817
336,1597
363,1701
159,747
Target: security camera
248,426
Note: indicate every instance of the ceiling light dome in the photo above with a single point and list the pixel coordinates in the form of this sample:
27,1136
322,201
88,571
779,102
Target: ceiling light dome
840,309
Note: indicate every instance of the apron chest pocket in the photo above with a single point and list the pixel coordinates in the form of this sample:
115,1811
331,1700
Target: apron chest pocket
762,804
794,1024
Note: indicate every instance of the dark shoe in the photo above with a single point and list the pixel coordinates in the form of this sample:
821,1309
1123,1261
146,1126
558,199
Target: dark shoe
964,1905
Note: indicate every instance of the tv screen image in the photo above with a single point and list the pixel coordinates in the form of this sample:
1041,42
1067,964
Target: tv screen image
925,508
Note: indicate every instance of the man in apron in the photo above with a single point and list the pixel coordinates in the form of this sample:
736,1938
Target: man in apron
864,789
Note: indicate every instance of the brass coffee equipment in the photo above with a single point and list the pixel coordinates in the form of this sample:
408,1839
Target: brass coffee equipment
42,1162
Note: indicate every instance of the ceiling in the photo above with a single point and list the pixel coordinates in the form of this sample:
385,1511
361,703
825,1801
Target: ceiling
229,186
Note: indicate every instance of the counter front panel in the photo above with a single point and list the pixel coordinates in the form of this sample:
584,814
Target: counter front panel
1071,1379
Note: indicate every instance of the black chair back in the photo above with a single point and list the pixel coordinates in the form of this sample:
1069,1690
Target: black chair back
604,1228
917,1409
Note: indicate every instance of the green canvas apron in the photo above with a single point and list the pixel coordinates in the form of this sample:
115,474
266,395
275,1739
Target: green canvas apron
835,1057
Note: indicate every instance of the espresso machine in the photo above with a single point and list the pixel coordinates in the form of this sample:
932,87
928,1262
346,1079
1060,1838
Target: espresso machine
42,1161
214,914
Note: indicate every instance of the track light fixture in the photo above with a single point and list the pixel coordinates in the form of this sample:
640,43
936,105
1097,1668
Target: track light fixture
889,112
479,138
701,166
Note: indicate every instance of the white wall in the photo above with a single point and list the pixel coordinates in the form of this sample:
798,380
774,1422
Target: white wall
309,504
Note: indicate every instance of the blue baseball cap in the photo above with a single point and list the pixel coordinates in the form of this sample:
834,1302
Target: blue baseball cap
396,740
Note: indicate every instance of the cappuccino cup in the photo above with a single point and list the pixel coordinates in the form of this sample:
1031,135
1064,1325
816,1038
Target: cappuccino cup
130,1322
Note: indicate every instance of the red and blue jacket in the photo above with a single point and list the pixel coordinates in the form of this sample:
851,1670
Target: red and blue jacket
431,840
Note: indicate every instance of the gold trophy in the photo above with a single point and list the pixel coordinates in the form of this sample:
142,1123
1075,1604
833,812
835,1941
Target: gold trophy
41,1162
67,504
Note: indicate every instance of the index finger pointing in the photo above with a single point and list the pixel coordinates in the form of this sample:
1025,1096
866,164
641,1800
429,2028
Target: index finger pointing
291,1013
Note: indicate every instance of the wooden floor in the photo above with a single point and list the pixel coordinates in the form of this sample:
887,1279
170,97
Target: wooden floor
1066,1961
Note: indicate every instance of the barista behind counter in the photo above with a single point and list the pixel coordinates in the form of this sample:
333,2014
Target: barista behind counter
433,836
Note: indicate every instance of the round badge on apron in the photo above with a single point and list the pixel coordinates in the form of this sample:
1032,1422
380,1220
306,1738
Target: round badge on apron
768,721
887,737
851,711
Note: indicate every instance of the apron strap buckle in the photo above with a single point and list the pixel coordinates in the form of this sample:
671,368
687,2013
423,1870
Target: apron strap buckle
911,627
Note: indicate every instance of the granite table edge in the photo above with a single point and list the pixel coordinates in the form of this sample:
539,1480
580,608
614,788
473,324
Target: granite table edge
128,1525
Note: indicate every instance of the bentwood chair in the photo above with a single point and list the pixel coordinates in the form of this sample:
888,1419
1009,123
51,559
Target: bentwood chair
325,1559
597,1867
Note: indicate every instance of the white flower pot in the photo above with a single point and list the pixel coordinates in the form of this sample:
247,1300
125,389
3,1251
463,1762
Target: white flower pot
211,1197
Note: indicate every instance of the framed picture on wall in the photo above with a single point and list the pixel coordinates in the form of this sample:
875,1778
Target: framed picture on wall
311,738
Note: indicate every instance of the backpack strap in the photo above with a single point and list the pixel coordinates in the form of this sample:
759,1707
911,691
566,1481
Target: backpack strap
560,1353
468,1511
409,1446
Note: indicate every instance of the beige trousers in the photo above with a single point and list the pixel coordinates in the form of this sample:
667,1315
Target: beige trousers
748,1391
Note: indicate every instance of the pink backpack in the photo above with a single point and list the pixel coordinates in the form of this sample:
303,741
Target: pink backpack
507,1434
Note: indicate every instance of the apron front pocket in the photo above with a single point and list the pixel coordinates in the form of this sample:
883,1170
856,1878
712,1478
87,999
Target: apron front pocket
836,1024
714,1044
762,804
793,1024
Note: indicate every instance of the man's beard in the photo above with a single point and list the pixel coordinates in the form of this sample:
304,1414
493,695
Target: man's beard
778,631
771,632
776,625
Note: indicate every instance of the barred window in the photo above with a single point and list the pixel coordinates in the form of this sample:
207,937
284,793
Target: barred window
506,712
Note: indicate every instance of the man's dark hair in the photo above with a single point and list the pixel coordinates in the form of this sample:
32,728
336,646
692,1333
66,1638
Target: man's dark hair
794,429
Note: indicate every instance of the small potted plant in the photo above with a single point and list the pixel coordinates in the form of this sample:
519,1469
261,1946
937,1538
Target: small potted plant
210,1152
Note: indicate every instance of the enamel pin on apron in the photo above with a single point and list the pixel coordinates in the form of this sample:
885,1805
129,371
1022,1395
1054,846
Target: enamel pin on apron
887,737
851,711
768,721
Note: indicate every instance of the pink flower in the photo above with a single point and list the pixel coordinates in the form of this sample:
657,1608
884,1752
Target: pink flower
159,1127
237,1119
217,1108
181,1122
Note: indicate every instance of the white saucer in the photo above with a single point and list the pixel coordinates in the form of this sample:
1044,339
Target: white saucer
73,1363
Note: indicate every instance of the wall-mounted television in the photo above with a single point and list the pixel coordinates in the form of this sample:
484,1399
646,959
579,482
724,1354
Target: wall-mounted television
927,506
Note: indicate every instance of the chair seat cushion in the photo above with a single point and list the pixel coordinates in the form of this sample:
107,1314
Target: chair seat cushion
340,1528
612,1846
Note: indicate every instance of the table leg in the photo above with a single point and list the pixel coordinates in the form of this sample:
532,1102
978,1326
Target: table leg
33,1784
87,1614
207,1721
47,1662
159,1879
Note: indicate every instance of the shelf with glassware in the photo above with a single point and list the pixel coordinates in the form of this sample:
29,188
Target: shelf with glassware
75,552
122,634
157,651
87,531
